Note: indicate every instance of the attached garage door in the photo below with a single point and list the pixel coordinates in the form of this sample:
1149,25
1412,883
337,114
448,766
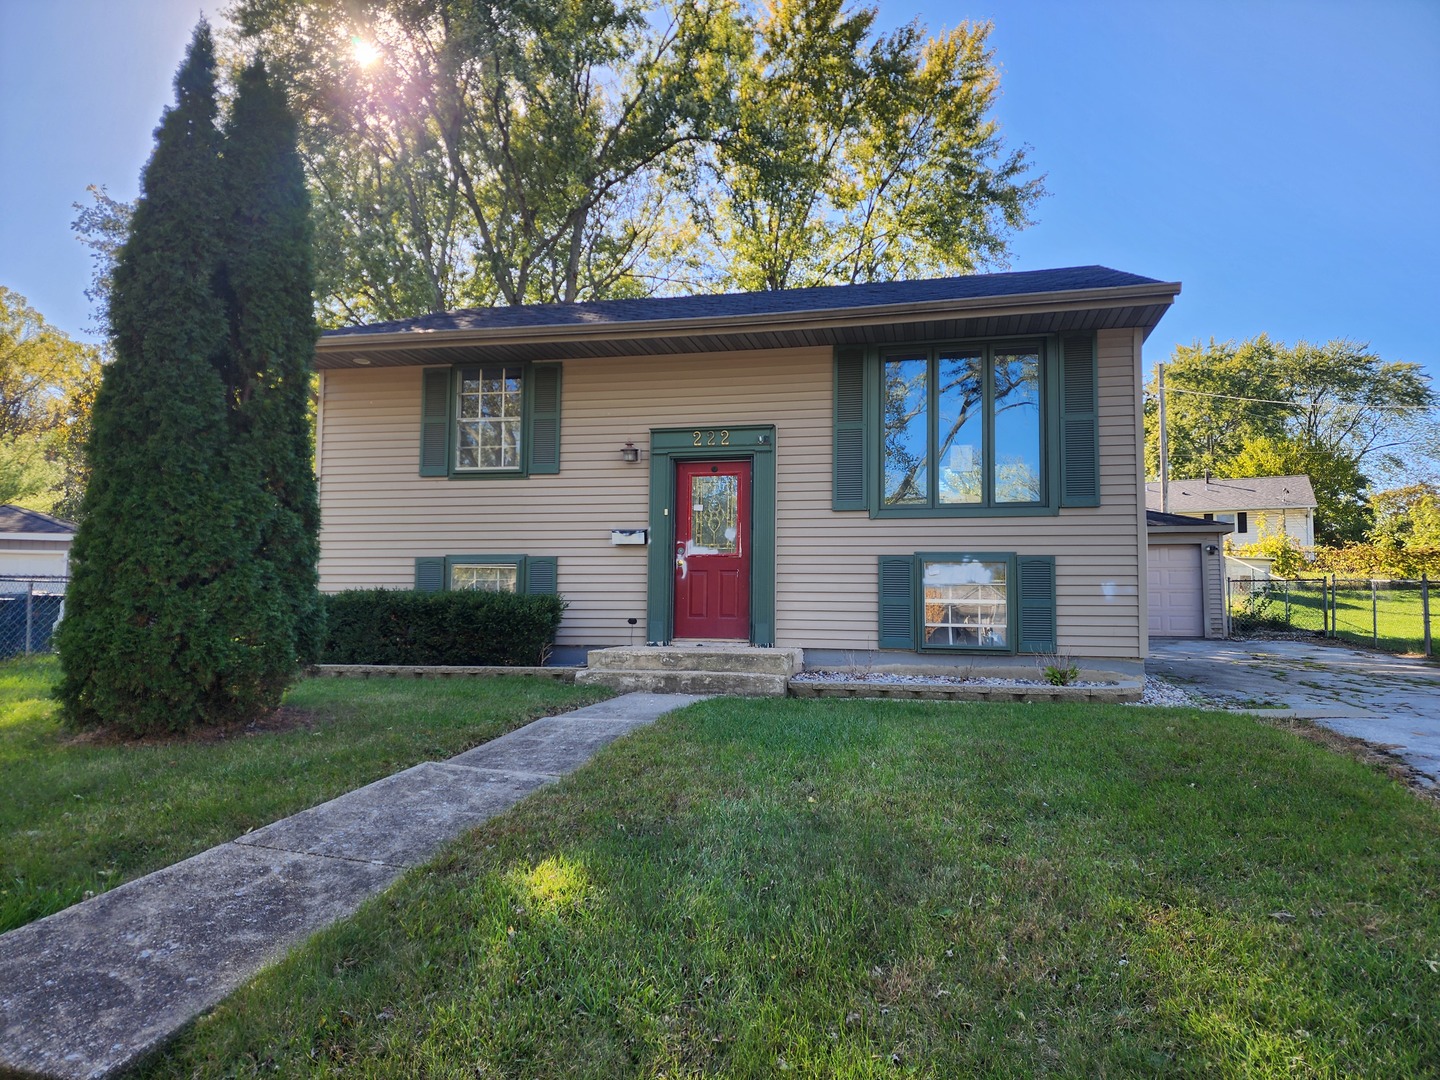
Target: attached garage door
1176,603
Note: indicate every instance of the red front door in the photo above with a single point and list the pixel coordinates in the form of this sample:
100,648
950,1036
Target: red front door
712,550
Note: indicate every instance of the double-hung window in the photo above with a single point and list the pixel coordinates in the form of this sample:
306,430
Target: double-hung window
490,420
962,427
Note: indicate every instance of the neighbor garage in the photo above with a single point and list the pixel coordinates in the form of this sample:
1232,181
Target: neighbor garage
1185,576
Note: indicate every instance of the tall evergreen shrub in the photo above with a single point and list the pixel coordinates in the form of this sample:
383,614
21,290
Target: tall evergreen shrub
268,283
176,614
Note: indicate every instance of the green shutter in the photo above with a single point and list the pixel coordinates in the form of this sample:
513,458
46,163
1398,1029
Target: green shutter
1037,602
541,575
897,602
435,422
544,390
848,491
1079,423
429,575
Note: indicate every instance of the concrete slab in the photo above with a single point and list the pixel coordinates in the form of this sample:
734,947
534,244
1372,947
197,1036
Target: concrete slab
403,819
640,707
1390,700
551,747
87,991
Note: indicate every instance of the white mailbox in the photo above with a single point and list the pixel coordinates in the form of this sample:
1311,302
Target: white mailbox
630,536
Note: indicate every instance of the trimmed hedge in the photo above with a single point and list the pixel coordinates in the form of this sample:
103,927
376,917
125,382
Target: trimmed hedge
465,627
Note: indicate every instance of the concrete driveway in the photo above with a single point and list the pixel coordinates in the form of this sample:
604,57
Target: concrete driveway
1382,699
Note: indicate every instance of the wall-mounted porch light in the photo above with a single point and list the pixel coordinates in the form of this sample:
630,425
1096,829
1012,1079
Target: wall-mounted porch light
630,453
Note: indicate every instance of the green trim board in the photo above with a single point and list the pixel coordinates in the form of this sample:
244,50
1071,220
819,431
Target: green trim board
540,423
720,442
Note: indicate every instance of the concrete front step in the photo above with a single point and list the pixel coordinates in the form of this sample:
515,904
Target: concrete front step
730,683
739,659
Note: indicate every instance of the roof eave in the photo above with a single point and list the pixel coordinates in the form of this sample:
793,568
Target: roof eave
339,345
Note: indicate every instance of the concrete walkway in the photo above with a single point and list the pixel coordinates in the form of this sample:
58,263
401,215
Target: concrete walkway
90,990
1388,700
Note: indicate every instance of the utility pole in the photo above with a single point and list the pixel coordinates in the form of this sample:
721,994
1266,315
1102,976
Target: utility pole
1164,446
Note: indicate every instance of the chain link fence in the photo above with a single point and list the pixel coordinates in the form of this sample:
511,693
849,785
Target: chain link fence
29,609
1396,616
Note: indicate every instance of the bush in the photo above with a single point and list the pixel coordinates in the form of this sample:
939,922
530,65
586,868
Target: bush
393,626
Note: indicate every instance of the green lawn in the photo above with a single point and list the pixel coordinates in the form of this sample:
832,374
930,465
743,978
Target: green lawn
79,817
857,889
1397,612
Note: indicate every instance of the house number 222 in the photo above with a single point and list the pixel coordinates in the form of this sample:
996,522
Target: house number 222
708,438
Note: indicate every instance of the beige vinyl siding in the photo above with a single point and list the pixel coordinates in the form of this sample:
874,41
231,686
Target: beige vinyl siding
378,514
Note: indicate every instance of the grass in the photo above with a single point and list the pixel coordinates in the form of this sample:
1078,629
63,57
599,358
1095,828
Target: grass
864,889
1397,614
81,817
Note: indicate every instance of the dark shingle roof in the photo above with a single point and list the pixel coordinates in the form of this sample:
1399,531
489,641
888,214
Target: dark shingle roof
1154,518
1249,493
722,305
16,519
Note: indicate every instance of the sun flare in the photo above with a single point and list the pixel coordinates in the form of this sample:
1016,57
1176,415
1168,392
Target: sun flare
364,52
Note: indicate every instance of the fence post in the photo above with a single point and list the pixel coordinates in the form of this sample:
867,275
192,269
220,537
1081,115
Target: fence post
1425,608
29,614
1288,627
1374,615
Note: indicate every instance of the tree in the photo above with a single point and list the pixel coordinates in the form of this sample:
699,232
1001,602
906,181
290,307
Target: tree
856,157
1407,517
1342,513
47,383
268,283
102,227
465,153
173,612
1338,398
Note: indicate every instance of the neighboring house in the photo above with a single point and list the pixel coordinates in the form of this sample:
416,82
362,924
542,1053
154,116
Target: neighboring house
1185,597
1257,506
33,544
948,467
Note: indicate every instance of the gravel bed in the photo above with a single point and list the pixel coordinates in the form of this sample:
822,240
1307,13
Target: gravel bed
887,679
1157,691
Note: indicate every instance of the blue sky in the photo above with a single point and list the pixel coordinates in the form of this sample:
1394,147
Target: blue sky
1280,159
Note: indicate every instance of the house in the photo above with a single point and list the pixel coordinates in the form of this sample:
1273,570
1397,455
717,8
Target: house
33,544
1257,506
34,562
938,470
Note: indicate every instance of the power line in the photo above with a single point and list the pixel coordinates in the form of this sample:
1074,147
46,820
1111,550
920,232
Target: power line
1295,404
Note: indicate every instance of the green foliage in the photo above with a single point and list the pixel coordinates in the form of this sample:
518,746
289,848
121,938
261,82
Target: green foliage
1061,673
102,226
177,614
511,152
268,283
1378,561
466,154
465,627
858,157
1287,558
1406,517
47,389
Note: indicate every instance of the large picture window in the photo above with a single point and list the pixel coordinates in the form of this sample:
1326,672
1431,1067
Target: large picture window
984,428
962,427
